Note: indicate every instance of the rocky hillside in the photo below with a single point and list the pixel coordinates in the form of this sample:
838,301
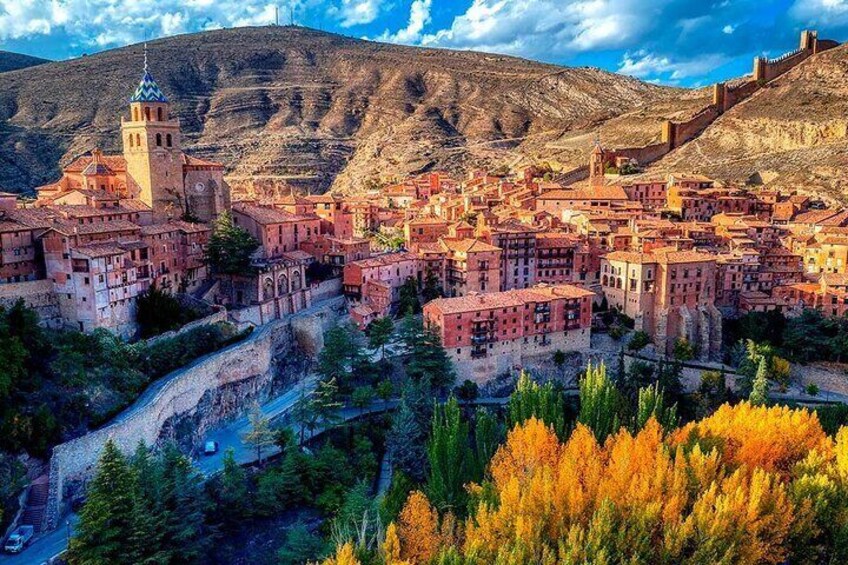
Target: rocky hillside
308,107
791,134
13,61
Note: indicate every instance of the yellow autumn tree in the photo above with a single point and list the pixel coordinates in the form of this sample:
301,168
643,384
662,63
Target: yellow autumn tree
345,555
418,530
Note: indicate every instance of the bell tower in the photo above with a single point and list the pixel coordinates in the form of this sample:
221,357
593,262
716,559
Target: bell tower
152,151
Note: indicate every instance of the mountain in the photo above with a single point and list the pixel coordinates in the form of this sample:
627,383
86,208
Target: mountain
311,108
791,134
14,61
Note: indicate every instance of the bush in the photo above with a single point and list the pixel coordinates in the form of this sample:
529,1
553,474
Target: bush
617,332
812,389
467,391
638,341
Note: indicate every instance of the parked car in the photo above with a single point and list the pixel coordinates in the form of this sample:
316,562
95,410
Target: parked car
19,539
210,448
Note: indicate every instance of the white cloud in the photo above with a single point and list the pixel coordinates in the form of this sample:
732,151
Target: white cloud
642,64
356,12
728,29
549,27
419,16
821,12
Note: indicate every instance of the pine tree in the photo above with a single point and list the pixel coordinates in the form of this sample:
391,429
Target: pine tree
530,400
107,518
184,532
230,247
380,333
600,402
342,353
405,442
428,360
260,434
760,387
408,297
233,496
449,456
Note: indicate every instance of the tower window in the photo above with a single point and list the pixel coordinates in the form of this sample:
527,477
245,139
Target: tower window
147,114
159,114
158,140
168,140
132,141
138,139
135,114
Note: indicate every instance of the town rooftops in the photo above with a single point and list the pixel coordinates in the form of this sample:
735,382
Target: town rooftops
665,256
508,299
467,245
265,216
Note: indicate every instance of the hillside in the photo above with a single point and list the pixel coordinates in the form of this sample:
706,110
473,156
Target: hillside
309,107
791,134
14,61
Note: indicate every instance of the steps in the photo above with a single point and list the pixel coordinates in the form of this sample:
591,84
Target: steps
33,514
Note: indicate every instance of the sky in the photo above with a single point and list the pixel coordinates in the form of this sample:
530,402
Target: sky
676,42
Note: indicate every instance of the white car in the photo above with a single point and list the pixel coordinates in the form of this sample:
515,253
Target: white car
210,448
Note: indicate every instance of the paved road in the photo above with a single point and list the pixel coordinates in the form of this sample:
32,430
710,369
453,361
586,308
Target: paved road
53,543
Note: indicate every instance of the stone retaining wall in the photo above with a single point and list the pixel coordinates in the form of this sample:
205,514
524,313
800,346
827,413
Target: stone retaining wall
37,295
178,395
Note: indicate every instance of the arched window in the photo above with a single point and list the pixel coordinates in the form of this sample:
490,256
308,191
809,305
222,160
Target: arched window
147,114
138,139
295,281
282,285
135,114
132,141
168,141
158,140
159,114
268,289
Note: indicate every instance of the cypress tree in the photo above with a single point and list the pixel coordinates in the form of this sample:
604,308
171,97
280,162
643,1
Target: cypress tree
600,403
760,388
652,404
449,456
531,400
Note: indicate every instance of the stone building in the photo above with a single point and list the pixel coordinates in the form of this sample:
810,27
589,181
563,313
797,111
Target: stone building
152,169
670,294
489,334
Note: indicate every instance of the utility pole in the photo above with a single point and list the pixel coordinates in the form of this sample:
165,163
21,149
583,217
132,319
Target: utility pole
277,16
291,15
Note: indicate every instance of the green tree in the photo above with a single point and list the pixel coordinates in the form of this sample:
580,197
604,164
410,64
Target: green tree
712,393
428,361
408,297
303,412
468,391
385,390
260,435
651,404
600,403
325,402
488,434
362,397
380,332
230,247
233,497
683,350
638,341
342,354
531,400
301,546
183,498
405,442
432,287
449,456
760,388
107,517
158,312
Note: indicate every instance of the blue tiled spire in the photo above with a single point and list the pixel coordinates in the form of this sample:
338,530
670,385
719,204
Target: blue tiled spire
147,90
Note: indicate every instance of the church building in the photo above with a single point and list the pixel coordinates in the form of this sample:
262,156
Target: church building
153,171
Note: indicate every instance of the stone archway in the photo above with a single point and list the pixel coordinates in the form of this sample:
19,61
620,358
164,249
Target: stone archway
296,282
282,285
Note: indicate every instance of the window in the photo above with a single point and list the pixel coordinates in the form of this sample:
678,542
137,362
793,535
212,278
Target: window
147,114
168,141
158,140
159,114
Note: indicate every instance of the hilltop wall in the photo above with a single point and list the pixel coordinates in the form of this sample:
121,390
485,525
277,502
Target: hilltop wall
676,133
37,295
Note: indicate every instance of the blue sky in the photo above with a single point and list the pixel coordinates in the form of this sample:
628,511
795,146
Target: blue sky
681,42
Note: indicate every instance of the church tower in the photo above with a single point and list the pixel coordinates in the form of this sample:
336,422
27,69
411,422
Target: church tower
151,141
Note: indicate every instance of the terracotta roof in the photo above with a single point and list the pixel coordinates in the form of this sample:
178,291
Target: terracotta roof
467,245
116,163
508,299
814,216
189,161
264,215
70,228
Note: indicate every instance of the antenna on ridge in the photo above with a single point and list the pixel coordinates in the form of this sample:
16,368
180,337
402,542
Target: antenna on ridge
291,15
276,15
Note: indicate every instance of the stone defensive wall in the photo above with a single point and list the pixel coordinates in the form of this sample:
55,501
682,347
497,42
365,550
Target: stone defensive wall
676,133
179,393
37,295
